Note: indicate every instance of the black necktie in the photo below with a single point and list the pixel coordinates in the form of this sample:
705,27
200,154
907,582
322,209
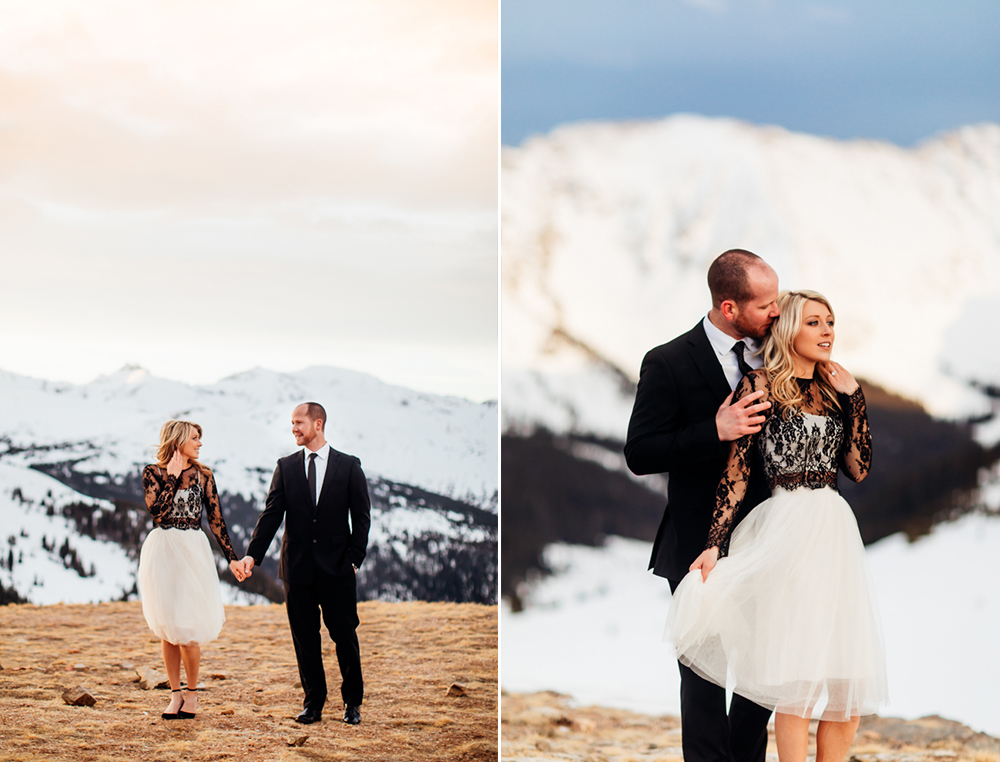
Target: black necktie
311,478
738,349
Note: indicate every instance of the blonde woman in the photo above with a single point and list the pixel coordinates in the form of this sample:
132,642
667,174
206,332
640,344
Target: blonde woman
783,604
178,581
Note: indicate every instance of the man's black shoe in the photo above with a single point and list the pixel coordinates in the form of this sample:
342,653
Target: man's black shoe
309,715
352,714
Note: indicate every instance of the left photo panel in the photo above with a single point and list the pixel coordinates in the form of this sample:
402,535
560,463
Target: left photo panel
249,363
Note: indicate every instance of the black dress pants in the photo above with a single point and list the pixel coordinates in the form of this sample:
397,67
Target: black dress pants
337,599
708,733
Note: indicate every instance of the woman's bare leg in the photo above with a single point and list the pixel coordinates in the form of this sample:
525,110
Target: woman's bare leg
192,660
791,734
833,739
172,661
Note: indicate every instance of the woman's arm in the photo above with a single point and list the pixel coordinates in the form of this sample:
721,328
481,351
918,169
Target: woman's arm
159,489
215,520
732,486
855,455
856,449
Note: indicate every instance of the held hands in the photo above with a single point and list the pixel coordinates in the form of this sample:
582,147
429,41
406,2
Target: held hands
706,562
176,464
740,418
247,564
237,568
838,376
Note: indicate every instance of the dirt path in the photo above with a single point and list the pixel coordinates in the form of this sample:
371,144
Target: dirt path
411,652
547,726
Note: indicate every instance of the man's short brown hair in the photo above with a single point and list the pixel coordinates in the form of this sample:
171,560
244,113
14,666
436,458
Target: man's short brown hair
316,412
728,278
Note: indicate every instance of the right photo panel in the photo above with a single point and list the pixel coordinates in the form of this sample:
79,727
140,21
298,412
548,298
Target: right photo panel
750,451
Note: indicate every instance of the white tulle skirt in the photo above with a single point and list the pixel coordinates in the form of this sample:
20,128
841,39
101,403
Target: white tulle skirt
789,619
179,586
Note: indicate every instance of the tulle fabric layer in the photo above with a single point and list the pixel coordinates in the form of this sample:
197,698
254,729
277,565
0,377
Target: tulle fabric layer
179,586
789,619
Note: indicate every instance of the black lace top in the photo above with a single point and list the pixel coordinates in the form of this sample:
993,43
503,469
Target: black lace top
803,450
176,501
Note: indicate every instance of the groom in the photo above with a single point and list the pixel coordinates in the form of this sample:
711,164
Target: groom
322,495
682,423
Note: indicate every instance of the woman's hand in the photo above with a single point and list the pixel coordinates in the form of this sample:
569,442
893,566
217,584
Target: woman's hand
706,562
236,567
838,376
176,464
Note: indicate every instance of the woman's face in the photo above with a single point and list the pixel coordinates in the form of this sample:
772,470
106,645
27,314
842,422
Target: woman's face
191,447
814,341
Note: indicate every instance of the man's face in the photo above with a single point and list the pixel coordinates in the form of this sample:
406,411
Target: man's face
753,318
304,428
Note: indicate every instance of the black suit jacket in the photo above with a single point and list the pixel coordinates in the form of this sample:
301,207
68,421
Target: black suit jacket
672,430
317,538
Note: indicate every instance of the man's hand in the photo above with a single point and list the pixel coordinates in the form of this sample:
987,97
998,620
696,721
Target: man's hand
706,562
247,566
740,418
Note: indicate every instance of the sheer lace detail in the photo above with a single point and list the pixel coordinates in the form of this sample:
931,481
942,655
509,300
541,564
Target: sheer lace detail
802,450
856,450
177,502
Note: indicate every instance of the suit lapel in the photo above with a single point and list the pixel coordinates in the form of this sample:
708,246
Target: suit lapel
704,357
332,464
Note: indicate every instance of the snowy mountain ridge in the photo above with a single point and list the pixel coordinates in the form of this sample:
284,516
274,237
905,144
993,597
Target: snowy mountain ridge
111,425
608,230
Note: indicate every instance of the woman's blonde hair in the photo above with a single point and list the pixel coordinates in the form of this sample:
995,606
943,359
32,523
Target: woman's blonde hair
173,435
778,354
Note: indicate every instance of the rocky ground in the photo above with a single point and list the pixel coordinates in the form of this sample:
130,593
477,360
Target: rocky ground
547,726
412,653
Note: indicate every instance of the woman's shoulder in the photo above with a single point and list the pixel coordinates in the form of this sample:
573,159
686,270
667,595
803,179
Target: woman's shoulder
755,380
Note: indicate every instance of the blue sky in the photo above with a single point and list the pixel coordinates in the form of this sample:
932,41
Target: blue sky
884,69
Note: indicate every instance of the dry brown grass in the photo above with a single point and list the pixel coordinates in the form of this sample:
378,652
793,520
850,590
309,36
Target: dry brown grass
411,653
548,726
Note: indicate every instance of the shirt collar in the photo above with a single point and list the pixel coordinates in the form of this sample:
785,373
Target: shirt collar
321,454
722,342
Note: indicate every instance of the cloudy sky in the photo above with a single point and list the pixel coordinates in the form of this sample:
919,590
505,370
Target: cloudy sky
895,70
206,187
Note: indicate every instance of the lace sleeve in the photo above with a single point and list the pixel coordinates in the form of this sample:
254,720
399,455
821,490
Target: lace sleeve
159,491
215,520
733,484
856,449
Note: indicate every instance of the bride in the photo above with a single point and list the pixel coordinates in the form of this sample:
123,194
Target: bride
783,606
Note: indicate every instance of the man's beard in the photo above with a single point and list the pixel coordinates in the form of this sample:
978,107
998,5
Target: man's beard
746,328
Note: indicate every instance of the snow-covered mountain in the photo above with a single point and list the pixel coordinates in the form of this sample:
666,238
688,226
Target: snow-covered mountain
608,230
70,458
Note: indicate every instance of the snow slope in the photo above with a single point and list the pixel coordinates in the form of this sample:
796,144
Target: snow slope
608,230
39,574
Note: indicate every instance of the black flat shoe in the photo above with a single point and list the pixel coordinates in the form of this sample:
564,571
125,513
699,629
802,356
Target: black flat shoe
352,714
181,714
309,715
172,715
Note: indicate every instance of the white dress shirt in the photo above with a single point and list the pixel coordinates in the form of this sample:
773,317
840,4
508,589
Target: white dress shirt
723,343
322,459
